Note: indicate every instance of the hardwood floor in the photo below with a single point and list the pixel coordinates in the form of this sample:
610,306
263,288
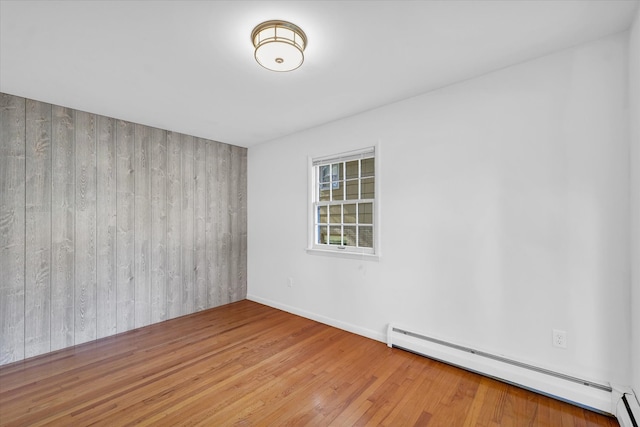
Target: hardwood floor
248,364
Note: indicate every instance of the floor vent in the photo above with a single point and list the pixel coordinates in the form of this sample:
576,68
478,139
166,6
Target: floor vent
593,395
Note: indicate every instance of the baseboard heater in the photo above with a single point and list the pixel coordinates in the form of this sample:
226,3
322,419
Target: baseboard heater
589,394
628,410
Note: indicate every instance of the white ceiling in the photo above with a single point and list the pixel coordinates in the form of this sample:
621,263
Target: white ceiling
188,66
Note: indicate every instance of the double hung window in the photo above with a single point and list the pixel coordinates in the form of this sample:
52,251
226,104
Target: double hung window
344,202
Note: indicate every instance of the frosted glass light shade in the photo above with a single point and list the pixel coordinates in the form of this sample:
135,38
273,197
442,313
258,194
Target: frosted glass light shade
279,45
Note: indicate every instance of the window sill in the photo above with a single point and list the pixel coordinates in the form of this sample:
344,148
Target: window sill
351,255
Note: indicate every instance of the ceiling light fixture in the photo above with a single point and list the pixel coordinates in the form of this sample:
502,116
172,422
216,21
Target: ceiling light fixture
279,45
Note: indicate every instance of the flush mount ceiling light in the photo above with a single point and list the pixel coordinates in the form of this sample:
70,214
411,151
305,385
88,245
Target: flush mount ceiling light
279,45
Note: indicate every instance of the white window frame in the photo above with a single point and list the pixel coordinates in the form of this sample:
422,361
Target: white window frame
336,250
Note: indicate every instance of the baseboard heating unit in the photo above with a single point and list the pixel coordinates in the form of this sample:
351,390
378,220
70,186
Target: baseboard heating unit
592,395
627,408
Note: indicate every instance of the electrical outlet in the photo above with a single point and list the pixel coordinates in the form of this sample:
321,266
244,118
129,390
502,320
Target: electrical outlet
559,338
290,282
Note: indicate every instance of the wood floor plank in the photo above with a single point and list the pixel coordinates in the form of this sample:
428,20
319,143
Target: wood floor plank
252,365
386,366
180,383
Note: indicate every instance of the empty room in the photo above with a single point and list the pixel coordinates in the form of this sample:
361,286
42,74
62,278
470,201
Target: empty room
314,213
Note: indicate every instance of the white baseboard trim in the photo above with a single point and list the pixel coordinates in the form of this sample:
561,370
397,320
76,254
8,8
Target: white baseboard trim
378,336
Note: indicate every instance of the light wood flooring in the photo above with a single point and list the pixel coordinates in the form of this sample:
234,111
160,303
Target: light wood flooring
248,364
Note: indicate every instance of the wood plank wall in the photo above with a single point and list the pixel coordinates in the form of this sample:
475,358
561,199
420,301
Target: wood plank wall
106,226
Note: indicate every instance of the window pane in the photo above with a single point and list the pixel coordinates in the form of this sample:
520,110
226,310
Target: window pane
336,174
365,213
367,190
325,174
338,191
365,237
335,216
325,192
368,166
352,169
344,204
350,214
352,189
335,235
322,235
350,235
322,215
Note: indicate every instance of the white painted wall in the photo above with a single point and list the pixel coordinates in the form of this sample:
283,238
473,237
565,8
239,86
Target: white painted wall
634,103
505,213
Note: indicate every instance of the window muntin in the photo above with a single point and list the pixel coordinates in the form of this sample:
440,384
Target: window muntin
344,203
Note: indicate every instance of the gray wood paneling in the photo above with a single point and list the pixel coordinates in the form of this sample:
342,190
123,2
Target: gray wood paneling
158,225
125,214
188,296
107,225
63,196
200,218
234,218
241,284
85,261
174,229
142,221
38,229
213,296
12,223
224,223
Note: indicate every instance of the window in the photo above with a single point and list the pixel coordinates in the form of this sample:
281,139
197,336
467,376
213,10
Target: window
343,203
